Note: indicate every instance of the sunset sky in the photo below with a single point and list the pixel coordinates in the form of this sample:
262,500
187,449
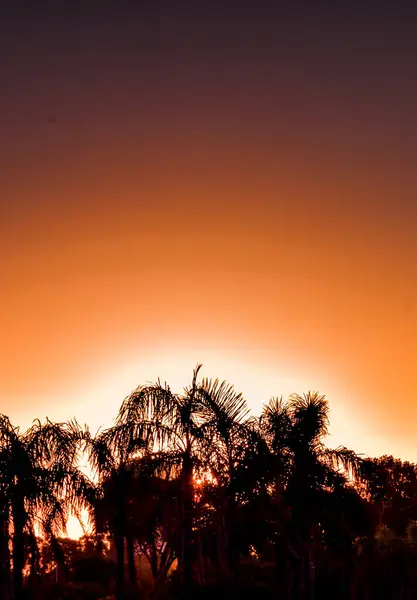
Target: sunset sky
232,183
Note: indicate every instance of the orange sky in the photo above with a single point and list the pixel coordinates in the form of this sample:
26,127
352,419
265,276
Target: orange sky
179,190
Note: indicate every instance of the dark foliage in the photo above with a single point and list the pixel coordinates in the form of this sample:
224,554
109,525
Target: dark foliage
191,496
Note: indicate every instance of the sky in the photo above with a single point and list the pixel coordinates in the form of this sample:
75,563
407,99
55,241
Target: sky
202,182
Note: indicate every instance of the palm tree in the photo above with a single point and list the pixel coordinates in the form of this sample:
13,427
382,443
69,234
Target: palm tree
109,467
172,424
117,460
39,485
231,439
4,549
296,430
155,526
188,430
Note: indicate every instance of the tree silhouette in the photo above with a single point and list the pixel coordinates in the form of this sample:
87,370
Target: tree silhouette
247,506
113,458
198,429
306,471
173,425
231,438
39,483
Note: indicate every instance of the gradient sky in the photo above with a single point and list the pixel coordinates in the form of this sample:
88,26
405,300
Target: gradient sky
189,182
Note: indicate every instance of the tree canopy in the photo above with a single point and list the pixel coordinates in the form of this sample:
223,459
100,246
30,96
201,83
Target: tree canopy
207,499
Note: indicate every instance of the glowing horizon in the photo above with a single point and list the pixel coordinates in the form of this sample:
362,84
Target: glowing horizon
183,186
258,383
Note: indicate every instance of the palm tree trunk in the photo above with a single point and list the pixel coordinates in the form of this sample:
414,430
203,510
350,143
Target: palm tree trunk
131,559
187,527
354,581
18,509
221,541
34,567
120,565
61,574
310,576
4,558
232,549
201,561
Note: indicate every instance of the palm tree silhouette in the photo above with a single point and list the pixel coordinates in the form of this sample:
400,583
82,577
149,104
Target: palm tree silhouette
306,468
188,430
113,457
172,425
230,438
39,484
154,522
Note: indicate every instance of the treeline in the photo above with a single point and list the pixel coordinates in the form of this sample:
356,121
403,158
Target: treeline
215,502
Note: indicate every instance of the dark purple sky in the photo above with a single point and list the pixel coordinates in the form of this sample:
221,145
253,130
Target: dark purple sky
198,175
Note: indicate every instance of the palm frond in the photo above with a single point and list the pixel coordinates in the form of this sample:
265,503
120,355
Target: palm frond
48,442
342,458
152,402
275,423
221,402
310,415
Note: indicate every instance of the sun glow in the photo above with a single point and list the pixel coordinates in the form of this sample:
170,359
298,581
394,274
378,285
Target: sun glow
96,401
